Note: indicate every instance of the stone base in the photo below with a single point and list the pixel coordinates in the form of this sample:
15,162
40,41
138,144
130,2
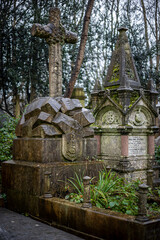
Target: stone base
28,178
88,223
48,150
131,168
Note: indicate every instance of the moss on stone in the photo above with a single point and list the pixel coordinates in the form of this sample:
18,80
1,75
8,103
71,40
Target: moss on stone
112,87
133,98
115,74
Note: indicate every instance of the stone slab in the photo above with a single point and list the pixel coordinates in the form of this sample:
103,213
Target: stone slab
28,177
34,108
43,118
46,131
37,149
88,132
70,105
18,129
51,106
65,123
111,145
84,117
48,150
95,223
137,145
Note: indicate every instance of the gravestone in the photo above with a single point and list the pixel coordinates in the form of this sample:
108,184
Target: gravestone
54,138
125,115
55,35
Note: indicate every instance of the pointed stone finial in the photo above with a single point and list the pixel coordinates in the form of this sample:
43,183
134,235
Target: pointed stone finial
122,71
97,86
122,29
152,86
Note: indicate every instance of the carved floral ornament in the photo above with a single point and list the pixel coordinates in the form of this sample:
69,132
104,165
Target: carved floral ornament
140,117
110,118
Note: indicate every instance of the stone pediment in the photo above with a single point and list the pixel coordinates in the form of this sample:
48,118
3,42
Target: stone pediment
141,114
142,101
109,115
107,101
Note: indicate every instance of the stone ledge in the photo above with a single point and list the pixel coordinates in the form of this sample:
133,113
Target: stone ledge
92,223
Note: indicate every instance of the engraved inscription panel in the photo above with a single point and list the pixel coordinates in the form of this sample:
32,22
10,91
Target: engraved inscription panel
137,145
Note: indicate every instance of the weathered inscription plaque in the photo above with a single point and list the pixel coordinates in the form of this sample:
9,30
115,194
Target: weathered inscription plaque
137,145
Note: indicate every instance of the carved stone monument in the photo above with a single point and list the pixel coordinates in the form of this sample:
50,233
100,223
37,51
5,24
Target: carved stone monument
125,116
55,35
54,138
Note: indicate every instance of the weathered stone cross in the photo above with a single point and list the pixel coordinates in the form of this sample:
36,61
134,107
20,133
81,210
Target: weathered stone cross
55,35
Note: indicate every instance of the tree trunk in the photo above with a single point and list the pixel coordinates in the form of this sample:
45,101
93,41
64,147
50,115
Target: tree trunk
157,35
146,33
80,56
17,106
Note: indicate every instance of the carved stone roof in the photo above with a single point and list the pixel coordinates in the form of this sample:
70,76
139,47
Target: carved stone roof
122,72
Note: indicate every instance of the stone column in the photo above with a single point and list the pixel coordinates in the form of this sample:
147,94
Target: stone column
55,70
142,203
86,195
98,138
124,145
47,185
151,148
150,174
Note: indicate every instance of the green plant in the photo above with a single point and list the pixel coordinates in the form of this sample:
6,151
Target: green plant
153,209
109,192
76,184
74,197
113,192
3,195
105,185
7,134
157,153
124,199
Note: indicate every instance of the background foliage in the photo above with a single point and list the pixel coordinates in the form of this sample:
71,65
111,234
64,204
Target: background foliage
7,134
24,59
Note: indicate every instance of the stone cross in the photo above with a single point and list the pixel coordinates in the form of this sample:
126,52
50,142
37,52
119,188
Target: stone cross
55,35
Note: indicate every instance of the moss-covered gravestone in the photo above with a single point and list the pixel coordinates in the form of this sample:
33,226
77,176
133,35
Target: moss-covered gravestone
125,116
54,140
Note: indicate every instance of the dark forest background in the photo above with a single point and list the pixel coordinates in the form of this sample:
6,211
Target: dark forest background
24,59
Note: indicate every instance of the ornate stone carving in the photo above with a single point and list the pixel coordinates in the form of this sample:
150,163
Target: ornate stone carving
110,118
72,146
55,35
138,118
40,121
84,117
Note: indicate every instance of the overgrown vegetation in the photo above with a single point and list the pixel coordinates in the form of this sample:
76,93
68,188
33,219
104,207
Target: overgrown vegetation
24,59
157,153
7,134
111,192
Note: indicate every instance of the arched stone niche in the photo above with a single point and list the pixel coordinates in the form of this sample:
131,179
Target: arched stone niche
109,117
140,117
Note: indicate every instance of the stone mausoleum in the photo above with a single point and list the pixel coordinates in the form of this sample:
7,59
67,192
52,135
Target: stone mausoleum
125,116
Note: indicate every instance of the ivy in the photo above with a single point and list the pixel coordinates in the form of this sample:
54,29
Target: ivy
7,134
